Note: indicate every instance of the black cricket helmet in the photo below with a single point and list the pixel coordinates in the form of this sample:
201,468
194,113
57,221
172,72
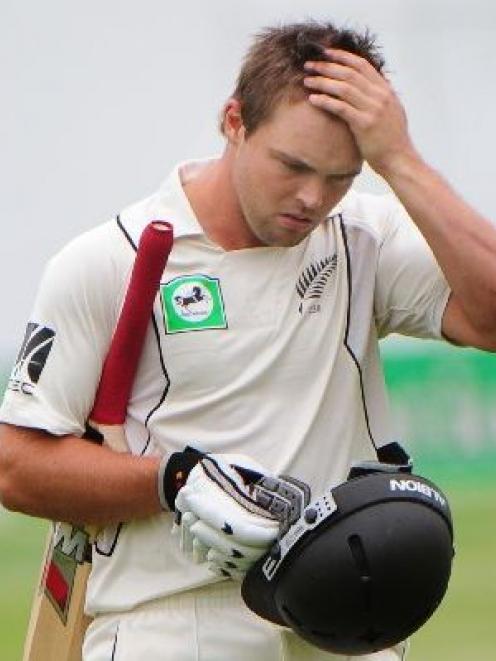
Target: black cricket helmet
364,566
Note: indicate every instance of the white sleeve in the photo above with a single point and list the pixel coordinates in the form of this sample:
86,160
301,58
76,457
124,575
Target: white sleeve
411,291
54,379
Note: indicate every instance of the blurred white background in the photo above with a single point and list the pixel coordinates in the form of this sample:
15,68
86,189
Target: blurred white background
100,98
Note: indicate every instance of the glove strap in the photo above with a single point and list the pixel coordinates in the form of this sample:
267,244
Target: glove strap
173,473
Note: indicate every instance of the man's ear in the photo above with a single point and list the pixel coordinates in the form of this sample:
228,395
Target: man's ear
232,125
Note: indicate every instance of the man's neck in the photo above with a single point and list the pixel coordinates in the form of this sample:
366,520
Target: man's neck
214,201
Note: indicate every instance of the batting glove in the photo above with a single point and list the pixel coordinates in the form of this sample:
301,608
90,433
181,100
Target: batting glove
229,512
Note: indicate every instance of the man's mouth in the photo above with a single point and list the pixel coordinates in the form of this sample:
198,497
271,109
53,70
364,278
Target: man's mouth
295,221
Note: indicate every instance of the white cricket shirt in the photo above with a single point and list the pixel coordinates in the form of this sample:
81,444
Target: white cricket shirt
267,352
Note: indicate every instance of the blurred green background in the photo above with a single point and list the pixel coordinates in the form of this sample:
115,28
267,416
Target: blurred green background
443,405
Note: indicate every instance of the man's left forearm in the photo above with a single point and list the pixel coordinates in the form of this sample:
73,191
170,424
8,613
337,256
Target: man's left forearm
462,240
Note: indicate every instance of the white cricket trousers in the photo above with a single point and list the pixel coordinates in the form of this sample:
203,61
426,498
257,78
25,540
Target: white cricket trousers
207,624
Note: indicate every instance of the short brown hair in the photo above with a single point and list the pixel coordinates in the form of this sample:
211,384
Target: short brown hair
273,66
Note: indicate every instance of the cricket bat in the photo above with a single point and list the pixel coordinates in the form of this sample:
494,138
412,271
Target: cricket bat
57,621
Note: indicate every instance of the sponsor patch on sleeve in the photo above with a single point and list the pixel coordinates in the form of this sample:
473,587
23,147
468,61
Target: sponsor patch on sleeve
31,359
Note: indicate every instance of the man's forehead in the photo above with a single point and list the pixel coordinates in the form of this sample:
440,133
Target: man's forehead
294,158
300,131
298,118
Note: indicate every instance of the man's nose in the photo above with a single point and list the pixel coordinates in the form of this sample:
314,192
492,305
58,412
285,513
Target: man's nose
311,194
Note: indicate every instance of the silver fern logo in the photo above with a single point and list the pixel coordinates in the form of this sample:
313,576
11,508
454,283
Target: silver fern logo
312,282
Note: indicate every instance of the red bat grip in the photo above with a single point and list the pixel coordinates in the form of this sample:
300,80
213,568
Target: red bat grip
122,360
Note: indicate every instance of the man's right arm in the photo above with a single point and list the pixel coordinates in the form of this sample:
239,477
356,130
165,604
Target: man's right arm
54,473
70,479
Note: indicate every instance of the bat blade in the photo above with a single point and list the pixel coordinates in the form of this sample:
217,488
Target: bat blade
57,621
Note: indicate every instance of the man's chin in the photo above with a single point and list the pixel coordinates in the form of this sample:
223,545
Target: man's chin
283,242
288,238
283,235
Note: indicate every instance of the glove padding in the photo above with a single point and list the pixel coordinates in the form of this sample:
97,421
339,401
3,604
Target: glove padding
229,512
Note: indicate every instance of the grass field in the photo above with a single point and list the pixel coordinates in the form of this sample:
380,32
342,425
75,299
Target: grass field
463,629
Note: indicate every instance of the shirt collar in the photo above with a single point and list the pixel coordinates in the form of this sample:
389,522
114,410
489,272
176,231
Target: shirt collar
169,203
171,195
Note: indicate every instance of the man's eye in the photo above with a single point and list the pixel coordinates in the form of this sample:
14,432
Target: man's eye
342,181
295,167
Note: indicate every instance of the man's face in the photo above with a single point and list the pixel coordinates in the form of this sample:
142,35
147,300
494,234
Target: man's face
291,171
